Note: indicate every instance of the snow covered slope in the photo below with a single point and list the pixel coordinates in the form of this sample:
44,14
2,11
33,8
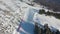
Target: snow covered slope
9,16
50,20
12,11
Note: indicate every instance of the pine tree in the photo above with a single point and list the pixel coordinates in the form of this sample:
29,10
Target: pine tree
40,31
42,11
36,30
47,29
57,32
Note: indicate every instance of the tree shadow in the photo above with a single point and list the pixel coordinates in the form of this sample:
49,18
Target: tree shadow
28,27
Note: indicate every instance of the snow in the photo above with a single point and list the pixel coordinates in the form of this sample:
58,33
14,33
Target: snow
50,20
12,11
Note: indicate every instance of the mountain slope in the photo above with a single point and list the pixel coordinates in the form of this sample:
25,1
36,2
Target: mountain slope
12,11
51,4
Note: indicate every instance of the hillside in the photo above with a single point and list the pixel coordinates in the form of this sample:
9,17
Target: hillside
14,13
51,4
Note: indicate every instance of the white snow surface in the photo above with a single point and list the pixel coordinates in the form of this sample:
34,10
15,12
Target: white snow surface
12,11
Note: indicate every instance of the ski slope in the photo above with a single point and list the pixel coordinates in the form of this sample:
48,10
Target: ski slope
12,11
28,25
32,15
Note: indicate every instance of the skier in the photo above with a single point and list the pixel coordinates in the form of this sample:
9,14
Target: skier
20,25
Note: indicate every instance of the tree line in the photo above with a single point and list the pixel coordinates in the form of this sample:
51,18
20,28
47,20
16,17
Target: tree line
45,30
56,15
